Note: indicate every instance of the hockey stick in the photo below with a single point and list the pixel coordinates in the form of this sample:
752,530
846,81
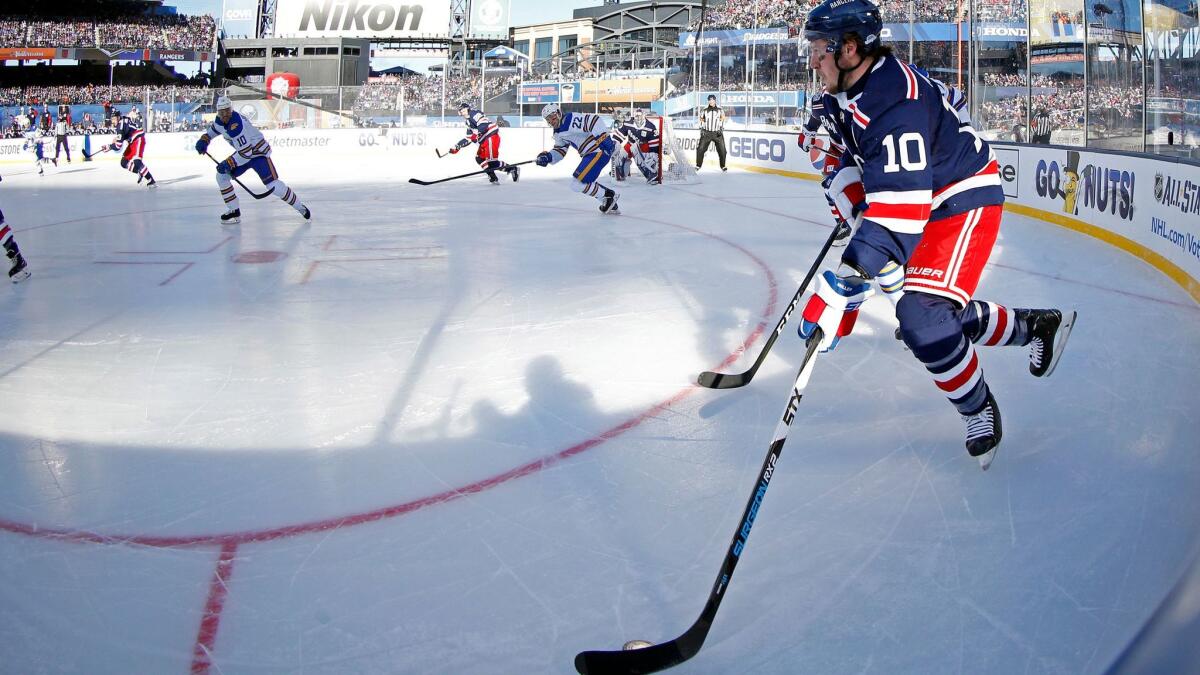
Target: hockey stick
418,181
101,151
733,380
672,653
235,179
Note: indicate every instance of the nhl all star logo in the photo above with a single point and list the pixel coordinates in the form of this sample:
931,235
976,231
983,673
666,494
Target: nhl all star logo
1160,187
491,12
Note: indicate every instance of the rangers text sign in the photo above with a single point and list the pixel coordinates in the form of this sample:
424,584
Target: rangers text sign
362,18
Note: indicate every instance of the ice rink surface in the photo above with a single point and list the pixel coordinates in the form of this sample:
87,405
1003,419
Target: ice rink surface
452,429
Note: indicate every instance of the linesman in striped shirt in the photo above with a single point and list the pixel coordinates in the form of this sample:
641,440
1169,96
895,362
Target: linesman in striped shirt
1042,126
712,130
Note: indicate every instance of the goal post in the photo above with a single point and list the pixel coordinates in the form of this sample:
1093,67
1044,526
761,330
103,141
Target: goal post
674,165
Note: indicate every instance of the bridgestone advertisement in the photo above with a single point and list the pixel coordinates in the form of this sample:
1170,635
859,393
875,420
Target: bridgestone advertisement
376,19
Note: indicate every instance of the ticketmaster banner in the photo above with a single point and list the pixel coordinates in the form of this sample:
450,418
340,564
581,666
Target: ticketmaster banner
376,19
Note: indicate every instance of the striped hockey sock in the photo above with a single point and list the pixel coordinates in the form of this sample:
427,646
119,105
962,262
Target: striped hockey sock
991,325
960,378
281,190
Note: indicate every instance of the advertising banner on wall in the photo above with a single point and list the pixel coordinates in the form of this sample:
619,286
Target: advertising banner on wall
239,18
615,91
550,92
1154,203
375,19
735,38
34,53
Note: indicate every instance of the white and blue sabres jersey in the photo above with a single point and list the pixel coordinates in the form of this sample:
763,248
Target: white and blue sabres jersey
247,141
918,162
479,126
585,132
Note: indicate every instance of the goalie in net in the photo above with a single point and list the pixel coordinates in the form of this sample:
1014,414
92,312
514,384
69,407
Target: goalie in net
648,143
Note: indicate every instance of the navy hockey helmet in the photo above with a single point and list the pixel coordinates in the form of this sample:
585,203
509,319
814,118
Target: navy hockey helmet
832,19
464,106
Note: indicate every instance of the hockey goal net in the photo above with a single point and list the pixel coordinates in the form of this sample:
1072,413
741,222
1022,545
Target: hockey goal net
673,163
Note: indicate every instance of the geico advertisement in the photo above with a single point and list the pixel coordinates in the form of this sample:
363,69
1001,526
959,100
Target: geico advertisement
755,149
1155,203
377,19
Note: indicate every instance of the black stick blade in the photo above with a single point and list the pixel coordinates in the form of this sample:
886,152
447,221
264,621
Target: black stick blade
648,660
418,181
722,380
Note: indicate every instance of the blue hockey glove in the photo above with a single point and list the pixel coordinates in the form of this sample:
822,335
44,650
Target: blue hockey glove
543,159
462,143
202,145
114,146
224,167
834,307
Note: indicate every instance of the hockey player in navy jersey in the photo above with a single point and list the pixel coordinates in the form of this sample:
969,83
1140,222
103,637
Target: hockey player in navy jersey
925,193
133,138
251,151
588,134
641,143
18,269
483,131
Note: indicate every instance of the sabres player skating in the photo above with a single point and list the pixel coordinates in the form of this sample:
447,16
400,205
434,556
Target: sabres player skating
36,144
588,134
133,138
927,196
482,130
251,151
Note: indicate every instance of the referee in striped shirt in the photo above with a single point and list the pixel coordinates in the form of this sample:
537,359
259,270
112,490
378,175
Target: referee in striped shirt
712,130
1041,127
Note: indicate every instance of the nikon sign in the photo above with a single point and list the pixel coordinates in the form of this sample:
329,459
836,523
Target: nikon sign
374,19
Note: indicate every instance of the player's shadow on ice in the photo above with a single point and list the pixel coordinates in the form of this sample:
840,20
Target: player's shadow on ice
558,411
172,181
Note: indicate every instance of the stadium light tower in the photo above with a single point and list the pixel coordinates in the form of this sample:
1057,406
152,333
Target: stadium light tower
460,14
265,25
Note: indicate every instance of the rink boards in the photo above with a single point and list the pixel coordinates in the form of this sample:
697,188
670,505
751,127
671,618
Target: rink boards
1148,207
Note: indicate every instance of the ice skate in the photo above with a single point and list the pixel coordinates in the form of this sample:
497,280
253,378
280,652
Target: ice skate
1049,331
984,432
609,204
515,172
307,214
231,217
19,271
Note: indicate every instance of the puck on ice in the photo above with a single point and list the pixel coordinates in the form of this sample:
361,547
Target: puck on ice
636,644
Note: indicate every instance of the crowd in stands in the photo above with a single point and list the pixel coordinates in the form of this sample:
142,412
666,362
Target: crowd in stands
744,14
423,95
172,32
99,94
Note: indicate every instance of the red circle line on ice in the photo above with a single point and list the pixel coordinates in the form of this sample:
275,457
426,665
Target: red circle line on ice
258,257
234,539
